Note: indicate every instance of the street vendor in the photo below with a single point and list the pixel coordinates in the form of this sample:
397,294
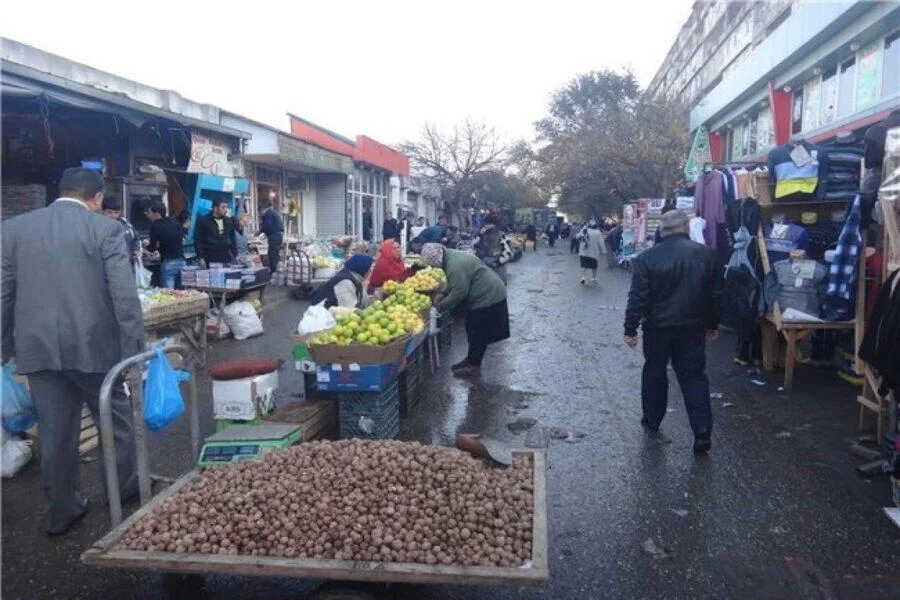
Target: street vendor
348,287
471,281
389,266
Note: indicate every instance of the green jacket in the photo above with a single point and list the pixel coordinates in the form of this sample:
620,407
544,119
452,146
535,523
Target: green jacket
468,278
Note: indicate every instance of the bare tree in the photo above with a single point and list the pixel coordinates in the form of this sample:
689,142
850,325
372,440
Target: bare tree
452,159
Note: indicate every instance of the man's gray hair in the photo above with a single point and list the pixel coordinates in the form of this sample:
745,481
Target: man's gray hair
674,221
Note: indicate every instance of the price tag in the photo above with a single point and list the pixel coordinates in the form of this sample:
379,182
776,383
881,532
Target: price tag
801,156
804,269
323,376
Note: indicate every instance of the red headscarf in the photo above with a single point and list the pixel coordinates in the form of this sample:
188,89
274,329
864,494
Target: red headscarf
388,267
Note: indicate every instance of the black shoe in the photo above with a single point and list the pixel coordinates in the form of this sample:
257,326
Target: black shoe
80,513
646,425
702,442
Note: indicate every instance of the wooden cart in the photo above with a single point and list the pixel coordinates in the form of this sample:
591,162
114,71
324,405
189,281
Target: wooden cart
108,553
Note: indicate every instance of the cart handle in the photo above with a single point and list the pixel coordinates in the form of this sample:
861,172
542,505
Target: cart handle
107,438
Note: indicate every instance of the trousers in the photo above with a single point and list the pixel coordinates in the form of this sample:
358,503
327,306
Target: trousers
170,273
274,252
58,398
686,348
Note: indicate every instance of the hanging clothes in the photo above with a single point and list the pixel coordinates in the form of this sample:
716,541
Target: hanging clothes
792,180
710,203
881,344
843,273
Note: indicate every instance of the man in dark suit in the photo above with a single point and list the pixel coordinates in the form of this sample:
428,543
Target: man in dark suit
676,296
214,236
70,312
390,229
271,224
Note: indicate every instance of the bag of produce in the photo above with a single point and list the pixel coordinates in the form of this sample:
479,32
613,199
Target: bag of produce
163,403
18,412
241,317
142,275
316,318
14,454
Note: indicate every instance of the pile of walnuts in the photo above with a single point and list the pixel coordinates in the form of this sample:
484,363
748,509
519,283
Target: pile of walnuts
352,500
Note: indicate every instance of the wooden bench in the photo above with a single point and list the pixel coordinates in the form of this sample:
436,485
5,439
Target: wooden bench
793,332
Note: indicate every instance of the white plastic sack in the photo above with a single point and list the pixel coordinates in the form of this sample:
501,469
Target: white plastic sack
142,276
14,455
316,318
241,317
212,323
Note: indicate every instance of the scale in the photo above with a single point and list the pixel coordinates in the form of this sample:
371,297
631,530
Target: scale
247,442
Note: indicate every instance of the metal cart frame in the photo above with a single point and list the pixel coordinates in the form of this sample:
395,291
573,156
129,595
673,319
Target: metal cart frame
107,440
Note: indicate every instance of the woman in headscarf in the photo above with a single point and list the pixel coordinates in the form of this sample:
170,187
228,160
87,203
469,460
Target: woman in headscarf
389,266
348,287
471,281
590,240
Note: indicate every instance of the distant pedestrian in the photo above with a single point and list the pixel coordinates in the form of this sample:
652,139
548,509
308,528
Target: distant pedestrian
676,294
552,233
613,242
112,208
214,235
390,229
272,225
575,243
531,236
166,236
590,243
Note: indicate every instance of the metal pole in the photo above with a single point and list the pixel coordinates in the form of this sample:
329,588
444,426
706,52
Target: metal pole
107,438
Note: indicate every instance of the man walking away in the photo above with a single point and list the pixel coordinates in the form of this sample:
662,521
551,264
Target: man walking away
676,294
112,208
70,312
271,224
214,236
552,232
390,229
166,236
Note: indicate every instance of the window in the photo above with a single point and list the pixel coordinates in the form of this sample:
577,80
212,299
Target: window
753,145
797,113
829,96
867,72
765,138
847,88
890,70
811,106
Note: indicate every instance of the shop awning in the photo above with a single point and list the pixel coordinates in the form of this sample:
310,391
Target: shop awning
24,82
298,155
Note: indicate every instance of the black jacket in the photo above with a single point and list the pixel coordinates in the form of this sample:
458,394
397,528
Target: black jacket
390,229
677,283
881,344
210,244
326,291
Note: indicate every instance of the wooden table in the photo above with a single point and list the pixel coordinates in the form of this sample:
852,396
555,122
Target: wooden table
222,295
793,332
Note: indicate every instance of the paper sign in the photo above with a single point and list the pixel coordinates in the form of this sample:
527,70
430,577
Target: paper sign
800,156
228,184
323,376
353,367
804,269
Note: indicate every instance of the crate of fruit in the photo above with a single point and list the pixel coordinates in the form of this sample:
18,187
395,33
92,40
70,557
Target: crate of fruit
499,535
161,306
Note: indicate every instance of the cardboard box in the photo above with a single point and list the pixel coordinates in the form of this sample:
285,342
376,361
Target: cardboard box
415,342
356,378
244,399
360,354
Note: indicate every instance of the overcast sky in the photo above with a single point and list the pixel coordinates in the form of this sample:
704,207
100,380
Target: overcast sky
379,68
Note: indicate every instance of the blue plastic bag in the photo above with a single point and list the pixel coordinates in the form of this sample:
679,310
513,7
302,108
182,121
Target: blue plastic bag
163,403
18,412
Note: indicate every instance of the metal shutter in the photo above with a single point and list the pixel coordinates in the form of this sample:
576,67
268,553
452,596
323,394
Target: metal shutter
331,204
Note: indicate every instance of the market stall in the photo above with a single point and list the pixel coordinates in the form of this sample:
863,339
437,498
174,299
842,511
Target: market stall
222,283
184,310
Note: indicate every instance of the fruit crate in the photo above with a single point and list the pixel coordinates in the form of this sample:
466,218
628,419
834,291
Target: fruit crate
372,415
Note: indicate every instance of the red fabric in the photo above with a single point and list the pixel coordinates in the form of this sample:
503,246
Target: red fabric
388,267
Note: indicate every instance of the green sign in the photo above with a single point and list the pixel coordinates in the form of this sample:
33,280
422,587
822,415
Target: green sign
867,77
699,155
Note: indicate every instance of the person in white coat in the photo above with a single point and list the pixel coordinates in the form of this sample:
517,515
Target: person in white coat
590,248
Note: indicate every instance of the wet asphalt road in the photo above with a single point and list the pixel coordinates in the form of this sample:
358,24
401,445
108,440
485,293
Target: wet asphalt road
775,510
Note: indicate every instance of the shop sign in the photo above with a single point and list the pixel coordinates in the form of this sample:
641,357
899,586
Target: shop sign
699,155
209,154
311,156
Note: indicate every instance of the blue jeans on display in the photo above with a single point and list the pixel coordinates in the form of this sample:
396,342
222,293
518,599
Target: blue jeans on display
170,273
686,348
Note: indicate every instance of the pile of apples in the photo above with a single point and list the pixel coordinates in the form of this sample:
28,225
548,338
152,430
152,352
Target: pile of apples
378,325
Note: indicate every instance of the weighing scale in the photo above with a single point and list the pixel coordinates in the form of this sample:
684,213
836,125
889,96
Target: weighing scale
247,442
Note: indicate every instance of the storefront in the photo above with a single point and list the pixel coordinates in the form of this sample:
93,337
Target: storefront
146,154
367,200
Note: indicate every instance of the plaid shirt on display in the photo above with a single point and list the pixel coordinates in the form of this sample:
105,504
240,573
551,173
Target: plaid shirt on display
843,272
